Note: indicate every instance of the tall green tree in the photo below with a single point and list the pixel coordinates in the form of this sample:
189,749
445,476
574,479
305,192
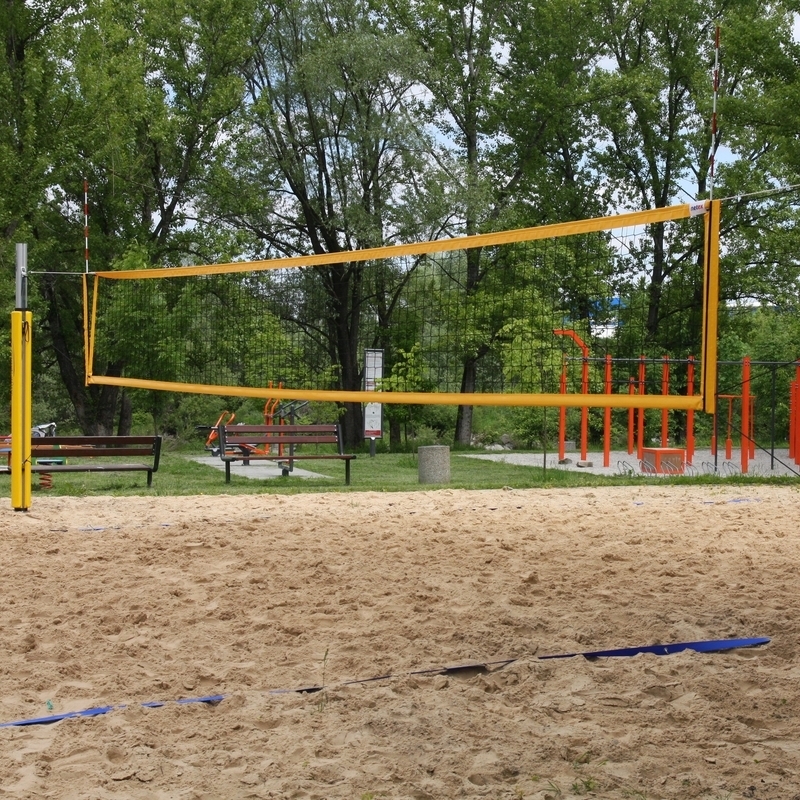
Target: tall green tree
654,94
325,158
653,110
457,42
133,95
758,125
506,84
37,128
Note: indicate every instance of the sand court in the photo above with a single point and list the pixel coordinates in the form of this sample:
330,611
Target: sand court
125,601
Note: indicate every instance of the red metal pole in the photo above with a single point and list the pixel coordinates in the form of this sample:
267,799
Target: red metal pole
631,415
607,417
792,404
795,401
796,414
562,414
642,376
664,411
690,413
729,431
745,414
584,385
794,387
793,418
585,409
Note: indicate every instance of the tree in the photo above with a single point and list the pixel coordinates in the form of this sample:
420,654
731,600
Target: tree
36,134
323,158
758,124
134,95
505,86
654,110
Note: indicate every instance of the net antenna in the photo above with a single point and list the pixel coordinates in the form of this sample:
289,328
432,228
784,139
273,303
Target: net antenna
715,85
86,225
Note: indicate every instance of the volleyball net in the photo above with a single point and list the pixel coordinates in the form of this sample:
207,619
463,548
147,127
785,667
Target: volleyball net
507,319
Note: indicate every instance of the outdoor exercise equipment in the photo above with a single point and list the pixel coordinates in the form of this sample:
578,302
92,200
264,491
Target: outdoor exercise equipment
659,374
227,417
636,385
584,390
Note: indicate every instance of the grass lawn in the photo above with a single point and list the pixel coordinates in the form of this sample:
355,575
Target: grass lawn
178,474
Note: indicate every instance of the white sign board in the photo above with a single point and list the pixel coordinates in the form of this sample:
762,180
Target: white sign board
373,421
373,412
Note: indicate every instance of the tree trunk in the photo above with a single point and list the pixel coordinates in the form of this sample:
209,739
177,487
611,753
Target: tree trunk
463,435
656,282
344,286
125,415
353,425
395,434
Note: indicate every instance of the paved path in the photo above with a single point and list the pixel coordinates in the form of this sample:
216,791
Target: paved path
257,470
703,463
621,462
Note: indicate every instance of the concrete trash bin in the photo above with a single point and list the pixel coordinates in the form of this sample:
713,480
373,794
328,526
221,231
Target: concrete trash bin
434,464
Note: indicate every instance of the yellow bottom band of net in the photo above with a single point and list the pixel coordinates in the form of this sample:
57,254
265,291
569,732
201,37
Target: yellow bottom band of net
670,402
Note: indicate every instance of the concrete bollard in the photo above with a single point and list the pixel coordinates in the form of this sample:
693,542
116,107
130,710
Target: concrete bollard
434,464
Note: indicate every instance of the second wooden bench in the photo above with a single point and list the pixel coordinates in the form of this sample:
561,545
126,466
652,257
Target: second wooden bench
278,443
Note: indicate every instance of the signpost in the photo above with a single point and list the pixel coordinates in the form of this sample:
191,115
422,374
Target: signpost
373,412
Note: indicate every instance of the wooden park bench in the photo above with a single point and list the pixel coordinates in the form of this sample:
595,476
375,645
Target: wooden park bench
53,454
278,443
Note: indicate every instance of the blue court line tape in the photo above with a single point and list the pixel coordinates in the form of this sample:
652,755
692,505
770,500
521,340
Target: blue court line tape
96,712
708,646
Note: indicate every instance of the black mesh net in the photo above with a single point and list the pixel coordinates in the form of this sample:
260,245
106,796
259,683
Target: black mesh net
480,319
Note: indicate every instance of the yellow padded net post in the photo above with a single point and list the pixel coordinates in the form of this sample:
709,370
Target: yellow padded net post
21,332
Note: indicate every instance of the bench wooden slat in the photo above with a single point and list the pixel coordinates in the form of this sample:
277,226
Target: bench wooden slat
256,439
97,441
94,468
330,427
87,452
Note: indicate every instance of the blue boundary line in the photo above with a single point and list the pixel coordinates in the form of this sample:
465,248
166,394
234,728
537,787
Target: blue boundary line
708,646
96,712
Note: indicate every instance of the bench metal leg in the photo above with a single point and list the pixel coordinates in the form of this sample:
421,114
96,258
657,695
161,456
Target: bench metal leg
227,472
149,478
347,472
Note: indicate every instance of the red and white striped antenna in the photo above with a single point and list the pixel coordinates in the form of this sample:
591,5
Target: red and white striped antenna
86,223
712,152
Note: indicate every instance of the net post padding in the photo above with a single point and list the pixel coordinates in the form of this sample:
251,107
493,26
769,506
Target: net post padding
708,379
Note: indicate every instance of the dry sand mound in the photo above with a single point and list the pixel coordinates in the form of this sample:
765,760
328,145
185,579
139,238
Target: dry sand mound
121,601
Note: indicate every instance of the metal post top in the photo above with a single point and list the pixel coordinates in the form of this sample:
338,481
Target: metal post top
22,276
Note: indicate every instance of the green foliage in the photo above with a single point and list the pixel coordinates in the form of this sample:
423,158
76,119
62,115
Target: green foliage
223,129
537,428
410,374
